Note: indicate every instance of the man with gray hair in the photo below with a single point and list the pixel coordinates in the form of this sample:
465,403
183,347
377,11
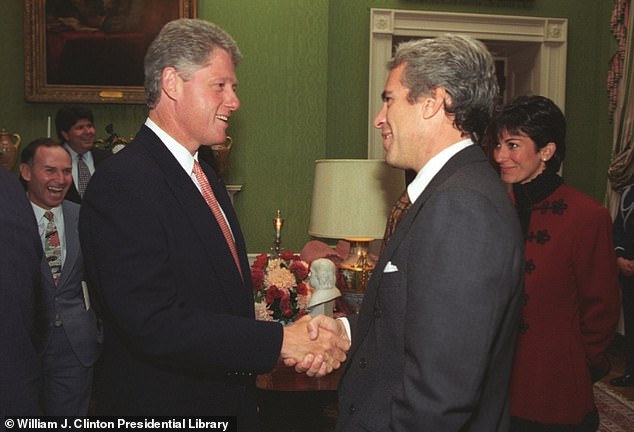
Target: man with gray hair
433,343
166,256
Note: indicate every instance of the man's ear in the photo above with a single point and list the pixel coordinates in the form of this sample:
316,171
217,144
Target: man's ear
25,171
171,82
434,102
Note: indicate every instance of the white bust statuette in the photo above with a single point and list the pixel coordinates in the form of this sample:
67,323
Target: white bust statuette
322,280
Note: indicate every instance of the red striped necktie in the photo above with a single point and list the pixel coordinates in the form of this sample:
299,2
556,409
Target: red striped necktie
212,202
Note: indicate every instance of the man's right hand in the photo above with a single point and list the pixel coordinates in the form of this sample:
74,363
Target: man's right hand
315,347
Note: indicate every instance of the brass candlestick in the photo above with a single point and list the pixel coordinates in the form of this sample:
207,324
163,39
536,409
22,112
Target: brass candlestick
278,222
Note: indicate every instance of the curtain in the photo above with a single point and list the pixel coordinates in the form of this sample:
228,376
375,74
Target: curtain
620,82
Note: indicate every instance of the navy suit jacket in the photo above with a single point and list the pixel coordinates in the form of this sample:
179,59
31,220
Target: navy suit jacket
180,335
20,258
64,303
433,343
98,156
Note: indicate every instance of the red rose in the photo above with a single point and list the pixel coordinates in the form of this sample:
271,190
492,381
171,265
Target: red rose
285,302
273,293
257,277
287,255
287,313
299,269
260,261
302,289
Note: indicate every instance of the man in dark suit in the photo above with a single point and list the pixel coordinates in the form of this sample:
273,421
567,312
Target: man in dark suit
433,343
71,339
20,258
76,129
166,256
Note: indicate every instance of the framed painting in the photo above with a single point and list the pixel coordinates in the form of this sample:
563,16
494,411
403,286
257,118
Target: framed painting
91,51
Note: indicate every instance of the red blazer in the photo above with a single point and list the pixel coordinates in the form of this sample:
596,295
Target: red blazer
180,337
571,308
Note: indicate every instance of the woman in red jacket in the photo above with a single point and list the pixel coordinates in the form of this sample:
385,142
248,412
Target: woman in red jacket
571,304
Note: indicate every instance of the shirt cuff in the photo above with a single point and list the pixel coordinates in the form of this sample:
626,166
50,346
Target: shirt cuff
346,325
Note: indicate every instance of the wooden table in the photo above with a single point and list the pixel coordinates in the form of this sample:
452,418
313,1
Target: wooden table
289,401
283,378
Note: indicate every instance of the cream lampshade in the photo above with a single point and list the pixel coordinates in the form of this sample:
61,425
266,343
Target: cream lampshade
352,199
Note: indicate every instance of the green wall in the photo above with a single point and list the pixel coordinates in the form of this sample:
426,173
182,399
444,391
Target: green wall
303,87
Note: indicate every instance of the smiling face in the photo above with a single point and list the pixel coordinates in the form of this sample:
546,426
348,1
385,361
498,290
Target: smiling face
205,102
48,177
518,157
400,123
81,136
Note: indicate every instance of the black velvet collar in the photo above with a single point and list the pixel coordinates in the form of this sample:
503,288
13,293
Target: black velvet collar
537,190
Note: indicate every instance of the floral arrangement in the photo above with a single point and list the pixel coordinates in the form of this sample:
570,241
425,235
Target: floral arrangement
281,291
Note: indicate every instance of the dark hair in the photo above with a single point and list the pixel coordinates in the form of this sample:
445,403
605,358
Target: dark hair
66,117
536,117
28,153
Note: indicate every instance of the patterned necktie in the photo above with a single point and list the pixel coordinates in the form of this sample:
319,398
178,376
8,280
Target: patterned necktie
398,210
52,247
212,202
83,174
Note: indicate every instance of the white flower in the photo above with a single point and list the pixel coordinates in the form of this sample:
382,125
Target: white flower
262,312
279,276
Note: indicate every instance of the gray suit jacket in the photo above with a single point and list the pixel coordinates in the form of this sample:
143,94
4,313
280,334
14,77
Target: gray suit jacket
433,343
64,303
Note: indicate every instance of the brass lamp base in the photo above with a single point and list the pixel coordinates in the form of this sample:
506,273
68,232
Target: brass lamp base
358,266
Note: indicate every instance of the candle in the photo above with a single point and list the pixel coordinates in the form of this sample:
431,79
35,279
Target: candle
278,222
48,127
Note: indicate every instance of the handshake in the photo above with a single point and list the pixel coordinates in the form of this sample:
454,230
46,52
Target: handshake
315,346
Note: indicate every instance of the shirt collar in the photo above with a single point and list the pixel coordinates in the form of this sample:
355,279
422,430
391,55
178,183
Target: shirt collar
432,167
182,155
39,212
73,154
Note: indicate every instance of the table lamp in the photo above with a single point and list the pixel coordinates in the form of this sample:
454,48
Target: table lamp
352,199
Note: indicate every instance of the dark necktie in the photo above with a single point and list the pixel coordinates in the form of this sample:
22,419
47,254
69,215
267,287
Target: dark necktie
212,202
52,247
83,174
398,210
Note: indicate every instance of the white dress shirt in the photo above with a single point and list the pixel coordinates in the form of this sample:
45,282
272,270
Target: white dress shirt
88,159
183,156
433,167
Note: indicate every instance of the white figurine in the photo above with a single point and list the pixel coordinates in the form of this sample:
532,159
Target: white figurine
322,280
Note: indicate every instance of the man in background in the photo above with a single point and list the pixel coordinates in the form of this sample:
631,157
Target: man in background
76,129
70,340
20,260
166,256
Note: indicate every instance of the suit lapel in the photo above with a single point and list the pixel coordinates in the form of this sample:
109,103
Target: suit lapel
71,240
203,222
220,191
468,155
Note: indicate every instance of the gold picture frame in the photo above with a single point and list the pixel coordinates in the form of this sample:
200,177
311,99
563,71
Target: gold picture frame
92,53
